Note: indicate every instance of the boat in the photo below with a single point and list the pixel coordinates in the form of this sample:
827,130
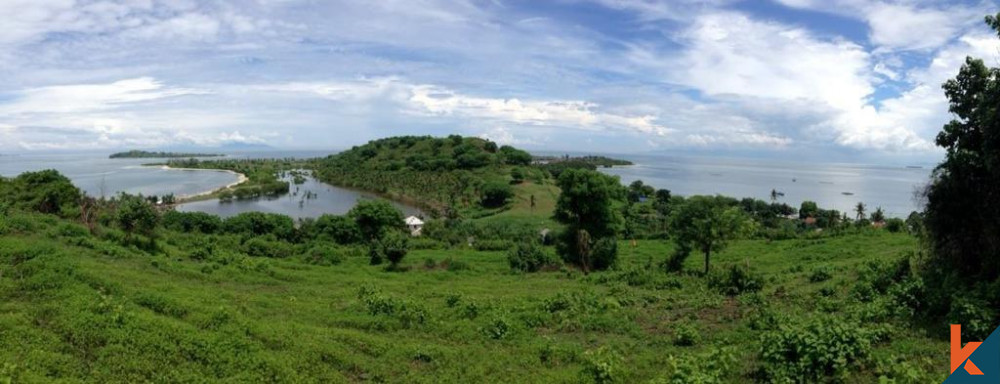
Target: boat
847,193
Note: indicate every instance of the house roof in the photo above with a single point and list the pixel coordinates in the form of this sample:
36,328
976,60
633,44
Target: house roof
413,220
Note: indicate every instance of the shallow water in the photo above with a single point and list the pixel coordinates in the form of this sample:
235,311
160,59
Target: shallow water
325,199
97,175
889,187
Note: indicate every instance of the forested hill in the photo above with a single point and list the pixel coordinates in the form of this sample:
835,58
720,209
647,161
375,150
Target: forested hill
433,173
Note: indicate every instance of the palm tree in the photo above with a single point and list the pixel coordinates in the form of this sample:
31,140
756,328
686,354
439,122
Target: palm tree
774,195
860,210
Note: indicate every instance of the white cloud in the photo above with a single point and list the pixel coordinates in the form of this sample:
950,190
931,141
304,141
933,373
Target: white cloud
729,55
902,25
89,97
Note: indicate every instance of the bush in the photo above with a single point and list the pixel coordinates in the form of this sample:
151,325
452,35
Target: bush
394,246
325,254
602,366
528,257
495,194
686,334
262,247
737,280
823,348
820,274
341,229
251,224
895,225
604,254
191,222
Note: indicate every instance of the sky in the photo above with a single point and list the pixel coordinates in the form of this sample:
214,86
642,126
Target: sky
836,79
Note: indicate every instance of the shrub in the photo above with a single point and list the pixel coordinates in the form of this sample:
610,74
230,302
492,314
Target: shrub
250,224
495,194
527,257
262,247
325,254
820,274
895,225
736,280
604,254
823,348
191,222
341,229
394,247
498,328
686,334
602,365
716,366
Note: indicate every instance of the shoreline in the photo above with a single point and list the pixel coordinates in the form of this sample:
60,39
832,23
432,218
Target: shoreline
181,199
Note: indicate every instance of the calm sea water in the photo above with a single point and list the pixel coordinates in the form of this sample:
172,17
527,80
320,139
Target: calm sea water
98,175
309,199
889,187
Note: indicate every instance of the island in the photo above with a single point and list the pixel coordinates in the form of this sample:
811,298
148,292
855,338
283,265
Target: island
137,154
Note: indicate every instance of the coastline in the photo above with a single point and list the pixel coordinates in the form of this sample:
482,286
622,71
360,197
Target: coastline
181,199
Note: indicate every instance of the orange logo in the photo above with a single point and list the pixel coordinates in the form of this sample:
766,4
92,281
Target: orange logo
959,354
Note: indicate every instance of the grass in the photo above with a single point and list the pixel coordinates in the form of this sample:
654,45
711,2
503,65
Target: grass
78,308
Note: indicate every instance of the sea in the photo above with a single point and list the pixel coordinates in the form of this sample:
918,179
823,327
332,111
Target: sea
832,185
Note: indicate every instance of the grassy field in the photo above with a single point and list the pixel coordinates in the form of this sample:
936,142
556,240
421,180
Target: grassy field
80,308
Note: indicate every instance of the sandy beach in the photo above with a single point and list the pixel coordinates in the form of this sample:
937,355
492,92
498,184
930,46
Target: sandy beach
241,178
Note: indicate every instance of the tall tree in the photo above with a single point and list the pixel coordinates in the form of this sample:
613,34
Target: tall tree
859,211
963,200
707,224
588,206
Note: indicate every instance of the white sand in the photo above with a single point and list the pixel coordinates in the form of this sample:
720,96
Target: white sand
241,178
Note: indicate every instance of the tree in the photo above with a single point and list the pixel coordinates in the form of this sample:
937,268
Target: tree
808,209
495,194
878,216
341,229
374,217
135,215
638,191
587,206
45,191
963,200
859,211
707,223
394,246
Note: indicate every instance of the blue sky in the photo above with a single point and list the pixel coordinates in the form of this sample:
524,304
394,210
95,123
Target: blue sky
838,79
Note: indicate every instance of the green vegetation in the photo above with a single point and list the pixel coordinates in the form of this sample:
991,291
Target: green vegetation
117,291
137,154
556,165
444,176
265,177
962,277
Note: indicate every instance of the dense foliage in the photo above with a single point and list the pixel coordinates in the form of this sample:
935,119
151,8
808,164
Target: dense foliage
137,154
256,297
588,206
963,200
435,173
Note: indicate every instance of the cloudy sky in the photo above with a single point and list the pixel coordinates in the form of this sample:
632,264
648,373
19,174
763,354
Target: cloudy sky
847,79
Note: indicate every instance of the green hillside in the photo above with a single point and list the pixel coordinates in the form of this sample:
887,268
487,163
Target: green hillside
460,173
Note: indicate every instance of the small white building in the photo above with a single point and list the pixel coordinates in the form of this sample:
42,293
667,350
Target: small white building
415,225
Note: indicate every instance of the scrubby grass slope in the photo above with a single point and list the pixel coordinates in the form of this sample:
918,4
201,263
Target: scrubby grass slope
77,308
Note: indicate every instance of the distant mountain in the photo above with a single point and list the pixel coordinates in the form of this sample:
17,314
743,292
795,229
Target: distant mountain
224,147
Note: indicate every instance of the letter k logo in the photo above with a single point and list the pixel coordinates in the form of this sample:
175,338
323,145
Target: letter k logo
960,354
